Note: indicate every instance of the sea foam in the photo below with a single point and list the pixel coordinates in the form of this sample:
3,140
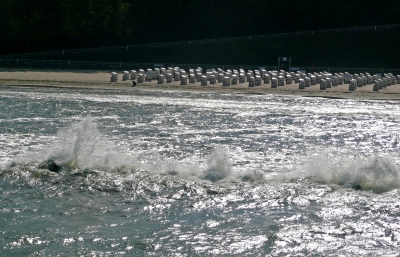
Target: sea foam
374,172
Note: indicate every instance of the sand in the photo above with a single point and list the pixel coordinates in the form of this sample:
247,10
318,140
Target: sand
101,80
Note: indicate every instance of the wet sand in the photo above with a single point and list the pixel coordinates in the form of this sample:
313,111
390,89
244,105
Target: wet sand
101,80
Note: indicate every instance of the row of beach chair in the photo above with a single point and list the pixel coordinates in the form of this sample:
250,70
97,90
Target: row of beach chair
258,77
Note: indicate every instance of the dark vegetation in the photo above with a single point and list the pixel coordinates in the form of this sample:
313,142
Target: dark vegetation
42,25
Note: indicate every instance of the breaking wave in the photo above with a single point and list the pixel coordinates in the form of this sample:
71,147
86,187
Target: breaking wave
82,149
347,169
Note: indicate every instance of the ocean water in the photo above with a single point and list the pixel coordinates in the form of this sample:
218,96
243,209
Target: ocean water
155,173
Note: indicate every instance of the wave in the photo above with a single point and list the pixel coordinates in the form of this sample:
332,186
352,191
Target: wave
82,149
347,169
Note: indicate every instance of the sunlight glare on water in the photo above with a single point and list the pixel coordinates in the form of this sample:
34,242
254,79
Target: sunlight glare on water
150,173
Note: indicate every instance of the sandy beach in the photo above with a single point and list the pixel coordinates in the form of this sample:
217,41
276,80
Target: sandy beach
101,80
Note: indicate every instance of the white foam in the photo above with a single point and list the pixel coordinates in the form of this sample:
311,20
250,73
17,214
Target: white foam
373,172
82,145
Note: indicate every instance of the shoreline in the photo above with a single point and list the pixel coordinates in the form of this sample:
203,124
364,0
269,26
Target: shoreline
101,80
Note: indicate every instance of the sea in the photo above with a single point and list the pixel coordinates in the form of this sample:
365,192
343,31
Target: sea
92,172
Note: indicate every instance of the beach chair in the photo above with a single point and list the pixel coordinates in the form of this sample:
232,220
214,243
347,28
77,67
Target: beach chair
184,80
198,73
213,79
274,83
242,78
234,79
149,76
340,80
353,85
370,79
163,71
384,82
393,79
258,80
125,76
114,77
226,82
221,77
160,79
365,80
192,78
204,80
322,84
177,75
252,81
248,76
380,81
334,81
302,84
313,80
328,82
133,74
281,81
267,78
307,82
297,78
168,77
289,79
359,81
376,86
140,78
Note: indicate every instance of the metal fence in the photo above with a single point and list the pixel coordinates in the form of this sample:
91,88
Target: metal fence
204,41
121,66
99,65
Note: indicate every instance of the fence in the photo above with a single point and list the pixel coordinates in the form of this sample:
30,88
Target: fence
204,41
98,65
119,66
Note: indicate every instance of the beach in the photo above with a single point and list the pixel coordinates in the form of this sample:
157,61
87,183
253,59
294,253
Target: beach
101,80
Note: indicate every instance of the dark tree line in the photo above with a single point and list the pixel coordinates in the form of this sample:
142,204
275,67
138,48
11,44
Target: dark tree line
28,26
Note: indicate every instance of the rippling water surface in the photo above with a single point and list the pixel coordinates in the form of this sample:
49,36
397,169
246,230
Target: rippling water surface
150,173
